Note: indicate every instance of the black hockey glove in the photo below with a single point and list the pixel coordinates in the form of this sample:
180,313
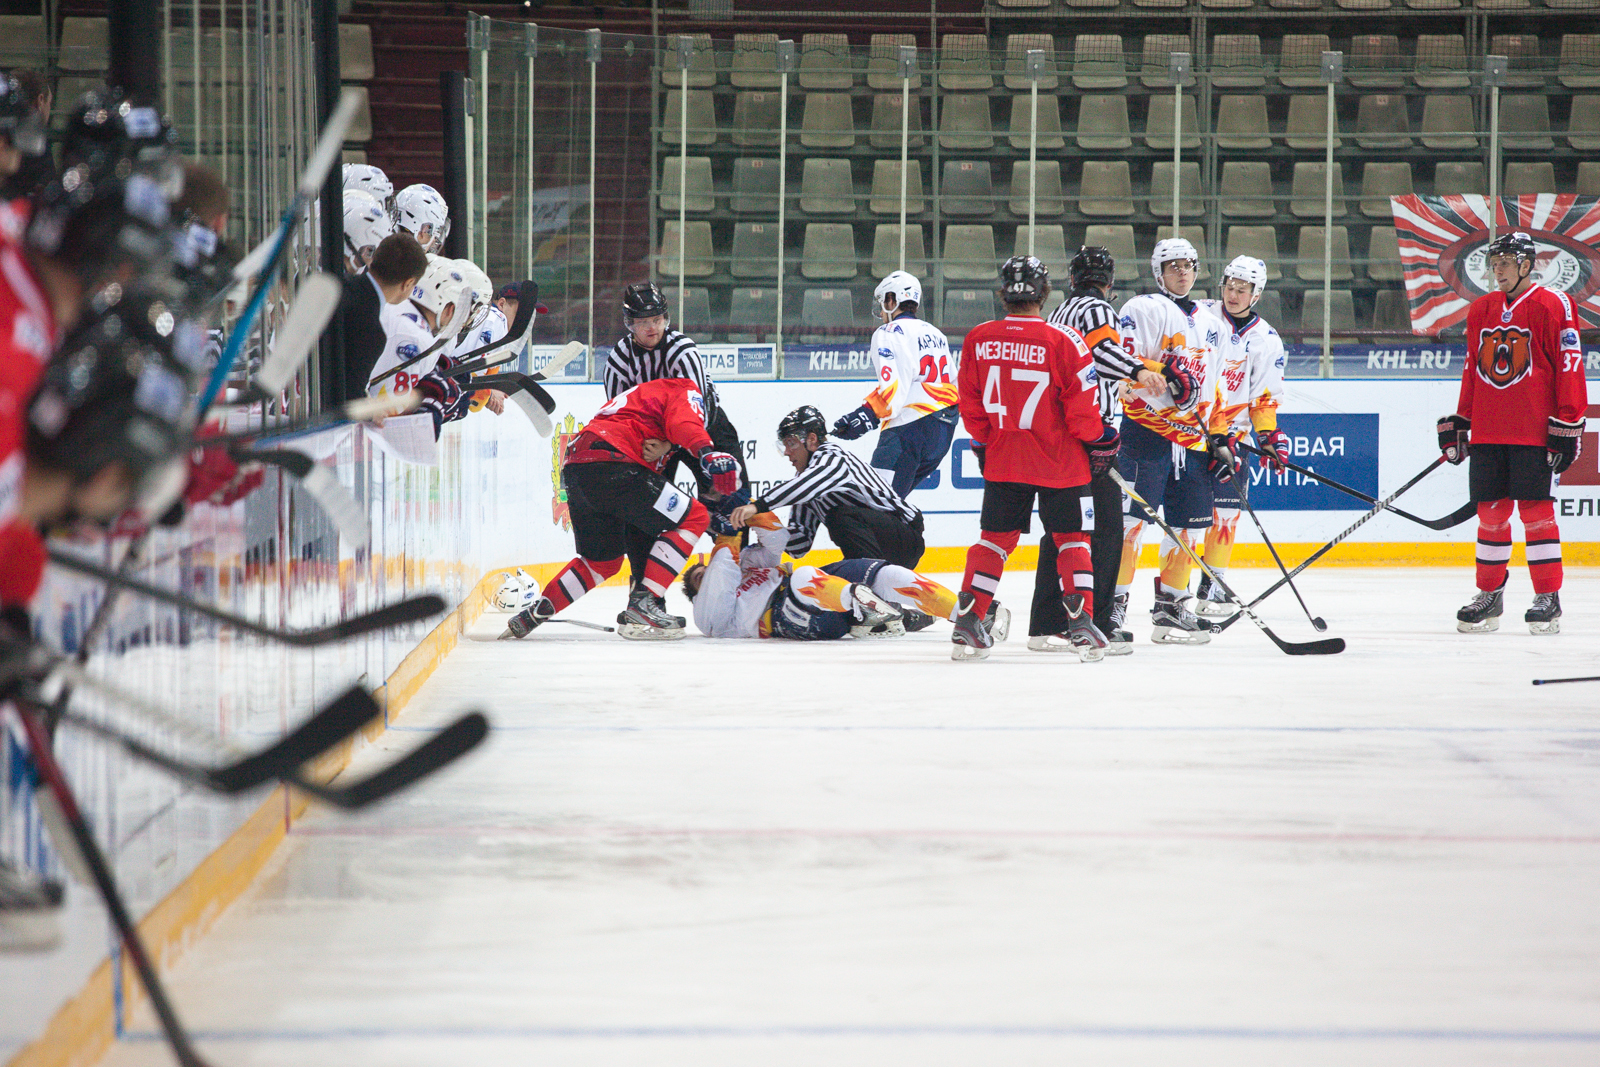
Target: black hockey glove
721,468
721,509
1103,452
1564,442
1181,383
863,420
1221,463
978,451
1453,433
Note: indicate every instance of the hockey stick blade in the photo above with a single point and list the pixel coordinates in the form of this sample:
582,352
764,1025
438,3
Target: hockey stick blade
520,390
365,409
1455,518
1242,477
524,382
323,486
1558,681
443,748
586,625
413,609
314,304
324,729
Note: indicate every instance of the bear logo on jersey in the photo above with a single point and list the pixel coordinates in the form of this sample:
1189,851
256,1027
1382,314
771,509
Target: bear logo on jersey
1505,356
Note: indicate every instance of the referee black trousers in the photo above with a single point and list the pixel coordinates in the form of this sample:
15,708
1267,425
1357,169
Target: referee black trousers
1105,555
865,533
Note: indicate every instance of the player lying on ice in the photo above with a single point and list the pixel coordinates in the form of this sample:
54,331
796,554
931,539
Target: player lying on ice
750,594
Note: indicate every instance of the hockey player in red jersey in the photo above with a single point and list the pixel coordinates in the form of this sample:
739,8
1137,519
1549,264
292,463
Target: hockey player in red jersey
1520,419
1027,394
612,474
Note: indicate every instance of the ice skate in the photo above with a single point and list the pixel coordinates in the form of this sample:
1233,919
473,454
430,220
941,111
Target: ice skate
1210,600
30,907
1090,643
875,617
528,620
1544,617
914,620
970,639
646,619
1174,623
1121,641
1482,614
998,620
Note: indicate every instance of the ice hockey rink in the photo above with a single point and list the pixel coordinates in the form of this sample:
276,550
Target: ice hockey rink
853,853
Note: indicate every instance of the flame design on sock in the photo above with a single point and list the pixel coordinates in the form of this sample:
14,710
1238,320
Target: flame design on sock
1219,539
820,589
929,597
1176,566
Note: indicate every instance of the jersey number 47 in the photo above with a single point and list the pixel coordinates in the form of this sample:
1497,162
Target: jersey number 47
995,394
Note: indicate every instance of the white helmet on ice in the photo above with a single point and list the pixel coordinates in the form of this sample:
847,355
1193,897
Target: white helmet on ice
517,592
482,292
422,212
1248,269
372,181
1173,249
365,225
901,286
444,291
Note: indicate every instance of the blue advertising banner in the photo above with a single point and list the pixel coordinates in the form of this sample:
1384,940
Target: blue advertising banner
1343,447
827,361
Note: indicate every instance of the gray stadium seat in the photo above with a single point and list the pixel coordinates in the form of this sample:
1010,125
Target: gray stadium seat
967,188
829,252
697,259
1300,61
1307,125
1017,47
1588,183
1107,188
964,123
1579,65
826,187
1453,178
1258,241
1236,61
966,308
1117,239
1158,123
1195,235
1050,246
1380,181
827,316
702,120
1049,200
1342,304
1528,179
1103,123
23,44
883,61
1583,128
1391,311
752,315
1308,266
1270,307
1447,123
85,44
828,121
1020,125
355,52
1155,63
1246,190
755,61
693,315
755,186
1189,202
702,61
1308,190
360,131
1442,61
755,250
1523,50
886,249
1525,123
887,111
755,119
1433,5
885,199
1383,255
1241,123
1383,122
1375,61
964,62
969,254
1098,62
825,61
698,177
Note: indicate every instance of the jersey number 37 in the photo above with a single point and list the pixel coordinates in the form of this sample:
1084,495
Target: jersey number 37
995,393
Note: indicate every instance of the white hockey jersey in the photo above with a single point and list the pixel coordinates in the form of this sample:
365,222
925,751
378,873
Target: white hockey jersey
1250,362
735,593
491,329
1155,328
406,336
914,371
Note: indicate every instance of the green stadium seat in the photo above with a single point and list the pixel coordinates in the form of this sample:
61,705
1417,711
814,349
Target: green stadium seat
1308,266
1307,126
1245,190
755,186
696,244
698,178
1241,123
1021,124
967,188
702,62
829,252
1451,179
964,124
886,250
755,251
755,61
888,109
964,62
1300,61
1158,123
1258,241
883,61
1103,123
885,198
1049,200
828,122
1383,255
1309,187
1383,122
1442,61
826,187
1448,123
969,254
825,62
827,316
1018,45
1189,198
1380,181
1107,188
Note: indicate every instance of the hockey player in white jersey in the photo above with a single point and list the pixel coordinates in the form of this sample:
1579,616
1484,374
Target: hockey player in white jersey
422,212
366,178
366,224
1166,432
915,399
1250,366
485,325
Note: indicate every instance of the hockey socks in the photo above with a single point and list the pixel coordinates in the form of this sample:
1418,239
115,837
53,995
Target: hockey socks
1494,543
907,588
671,551
1132,534
816,588
1544,543
1219,538
576,579
1176,565
1074,567
985,562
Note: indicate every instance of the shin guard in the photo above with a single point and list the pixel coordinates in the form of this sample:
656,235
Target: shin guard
985,561
1176,564
577,578
1074,567
816,588
1219,539
1544,544
671,550
1494,543
907,588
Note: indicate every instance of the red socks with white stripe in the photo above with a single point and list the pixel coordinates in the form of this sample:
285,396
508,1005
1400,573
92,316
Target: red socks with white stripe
576,579
1074,567
985,562
671,550
1494,543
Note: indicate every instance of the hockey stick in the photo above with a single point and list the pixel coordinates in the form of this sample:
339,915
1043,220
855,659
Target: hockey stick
444,747
314,304
413,609
1557,681
1381,505
322,157
522,391
92,860
568,351
516,333
1326,647
323,486
1455,518
1242,475
586,625
365,409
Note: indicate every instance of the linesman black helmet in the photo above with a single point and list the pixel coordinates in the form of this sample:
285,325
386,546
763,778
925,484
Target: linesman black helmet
1092,265
642,301
1024,280
801,421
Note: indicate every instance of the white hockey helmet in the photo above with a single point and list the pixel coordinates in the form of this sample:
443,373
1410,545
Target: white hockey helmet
1171,250
444,291
422,212
901,286
1248,269
482,292
366,224
372,181
517,592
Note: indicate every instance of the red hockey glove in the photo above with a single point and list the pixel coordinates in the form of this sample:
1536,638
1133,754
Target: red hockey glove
721,468
1222,464
1103,452
1453,434
1564,442
1275,448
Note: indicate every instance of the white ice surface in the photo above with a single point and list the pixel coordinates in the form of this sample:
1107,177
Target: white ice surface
719,853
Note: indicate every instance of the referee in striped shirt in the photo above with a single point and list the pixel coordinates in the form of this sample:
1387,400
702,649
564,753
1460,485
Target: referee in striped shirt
652,349
833,487
1088,311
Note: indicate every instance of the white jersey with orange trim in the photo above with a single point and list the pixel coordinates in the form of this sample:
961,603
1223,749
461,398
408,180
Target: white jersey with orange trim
1155,328
491,329
1250,362
406,336
735,593
914,371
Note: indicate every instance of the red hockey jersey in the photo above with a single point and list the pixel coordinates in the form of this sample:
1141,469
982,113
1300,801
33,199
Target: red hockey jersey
668,409
1027,393
1524,364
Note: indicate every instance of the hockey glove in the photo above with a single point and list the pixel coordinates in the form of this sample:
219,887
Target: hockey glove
1221,465
1103,452
721,468
978,452
1453,433
1181,383
1274,443
721,525
863,420
1564,442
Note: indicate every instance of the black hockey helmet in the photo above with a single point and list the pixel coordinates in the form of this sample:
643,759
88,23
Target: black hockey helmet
102,215
1092,265
107,124
642,301
801,421
1516,244
1024,280
19,122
